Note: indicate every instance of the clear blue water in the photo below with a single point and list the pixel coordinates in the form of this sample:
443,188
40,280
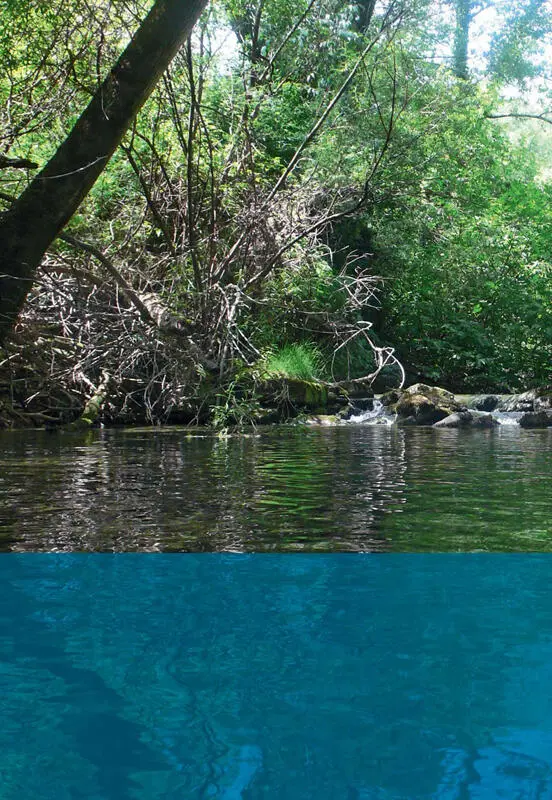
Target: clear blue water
281,677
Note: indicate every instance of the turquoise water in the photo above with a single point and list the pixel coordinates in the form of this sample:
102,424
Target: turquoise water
353,488
281,677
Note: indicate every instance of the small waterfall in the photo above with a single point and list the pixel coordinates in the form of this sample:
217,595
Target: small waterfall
375,416
378,416
507,417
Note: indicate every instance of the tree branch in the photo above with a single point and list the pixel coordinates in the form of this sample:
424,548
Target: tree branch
16,163
521,115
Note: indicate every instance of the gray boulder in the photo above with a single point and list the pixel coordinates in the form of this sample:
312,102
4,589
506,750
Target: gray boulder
539,399
421,404
460,419
484,421
543,400
519,402
484,402
536,419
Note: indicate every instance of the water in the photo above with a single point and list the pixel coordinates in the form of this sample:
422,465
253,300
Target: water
352,488
373,416
304,677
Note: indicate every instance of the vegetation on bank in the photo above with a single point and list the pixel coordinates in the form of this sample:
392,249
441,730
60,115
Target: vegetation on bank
323,191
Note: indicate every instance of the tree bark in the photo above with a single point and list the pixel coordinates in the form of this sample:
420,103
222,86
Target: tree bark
462,38
364,14
29,227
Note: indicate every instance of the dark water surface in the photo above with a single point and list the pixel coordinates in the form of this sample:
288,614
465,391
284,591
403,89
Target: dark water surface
283,677
355,488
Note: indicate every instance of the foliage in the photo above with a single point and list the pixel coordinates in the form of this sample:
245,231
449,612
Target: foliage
468,287
309,187
234,406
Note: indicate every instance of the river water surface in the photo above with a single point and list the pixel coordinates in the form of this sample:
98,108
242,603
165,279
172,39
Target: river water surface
351,488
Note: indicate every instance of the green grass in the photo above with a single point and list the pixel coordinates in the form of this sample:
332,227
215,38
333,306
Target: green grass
302,361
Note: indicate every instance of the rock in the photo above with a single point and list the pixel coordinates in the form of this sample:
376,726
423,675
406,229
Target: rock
543,400
539,399
424,404
307,393
519,402
421,409
536,419
321,419
436,393
458,420
484,402
390,398
406,421
337,402
361,404
357,390
484,421
268,416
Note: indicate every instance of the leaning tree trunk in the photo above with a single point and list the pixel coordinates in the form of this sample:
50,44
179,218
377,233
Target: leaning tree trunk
29,227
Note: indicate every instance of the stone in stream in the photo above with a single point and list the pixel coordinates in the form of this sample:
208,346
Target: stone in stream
460,419
543,400
536,419
421,404
539,399
463,419
484,402
321,419
519,402
484,421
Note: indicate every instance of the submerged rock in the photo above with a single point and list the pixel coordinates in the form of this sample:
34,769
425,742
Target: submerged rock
463,419
321,419
458,420
484,421
536,419
406,421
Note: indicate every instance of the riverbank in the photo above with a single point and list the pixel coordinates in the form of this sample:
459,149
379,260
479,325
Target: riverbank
423,405
291,400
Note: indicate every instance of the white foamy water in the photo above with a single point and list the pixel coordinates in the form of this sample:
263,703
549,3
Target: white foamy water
507,417
376,416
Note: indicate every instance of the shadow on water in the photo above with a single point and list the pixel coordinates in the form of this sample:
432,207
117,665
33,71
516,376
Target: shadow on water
86,715
354,488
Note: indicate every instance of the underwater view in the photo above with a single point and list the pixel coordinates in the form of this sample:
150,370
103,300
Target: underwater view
305,677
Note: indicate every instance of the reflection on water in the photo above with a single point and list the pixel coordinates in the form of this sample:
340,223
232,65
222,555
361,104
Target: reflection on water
299,677
355,488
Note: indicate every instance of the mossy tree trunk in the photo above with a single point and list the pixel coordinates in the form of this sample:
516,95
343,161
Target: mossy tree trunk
29,227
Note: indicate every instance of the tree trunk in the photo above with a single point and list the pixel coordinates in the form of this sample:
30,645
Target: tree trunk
363,17
462,38
29,227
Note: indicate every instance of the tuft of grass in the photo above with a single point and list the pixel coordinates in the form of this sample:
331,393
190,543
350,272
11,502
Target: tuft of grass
303,361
